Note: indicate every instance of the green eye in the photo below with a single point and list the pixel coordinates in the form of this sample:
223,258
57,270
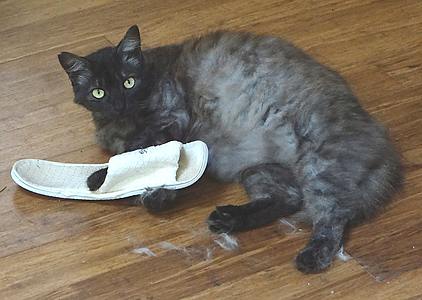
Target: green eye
98,93
129,83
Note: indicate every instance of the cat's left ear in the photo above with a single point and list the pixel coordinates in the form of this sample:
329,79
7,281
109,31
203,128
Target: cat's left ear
131,40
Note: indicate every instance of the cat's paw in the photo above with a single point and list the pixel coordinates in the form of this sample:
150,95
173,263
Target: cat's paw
157,199
313,260
224,219
96,179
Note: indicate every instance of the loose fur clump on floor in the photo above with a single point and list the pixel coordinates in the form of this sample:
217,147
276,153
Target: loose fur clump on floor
227,242
275,120
342,256
287,223
189,252
146,251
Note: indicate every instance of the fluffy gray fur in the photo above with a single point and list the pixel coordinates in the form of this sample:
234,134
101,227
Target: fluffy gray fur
275,120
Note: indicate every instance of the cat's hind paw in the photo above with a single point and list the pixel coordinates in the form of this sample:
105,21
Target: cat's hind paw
224,219
157,199
312,260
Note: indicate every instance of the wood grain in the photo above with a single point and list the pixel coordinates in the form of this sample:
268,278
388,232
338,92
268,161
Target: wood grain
61,249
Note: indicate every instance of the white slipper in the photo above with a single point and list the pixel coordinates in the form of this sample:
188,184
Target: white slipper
172,165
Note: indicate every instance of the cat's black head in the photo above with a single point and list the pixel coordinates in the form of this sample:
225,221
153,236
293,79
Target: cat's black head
111,81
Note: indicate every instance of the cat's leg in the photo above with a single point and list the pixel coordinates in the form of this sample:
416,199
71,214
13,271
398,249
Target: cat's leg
331,202
323,245
152,199
161,128
273,192
157,199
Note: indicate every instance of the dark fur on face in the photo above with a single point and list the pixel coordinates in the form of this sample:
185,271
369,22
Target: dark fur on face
275,120
124,61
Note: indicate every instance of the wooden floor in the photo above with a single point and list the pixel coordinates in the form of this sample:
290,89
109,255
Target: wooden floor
58,249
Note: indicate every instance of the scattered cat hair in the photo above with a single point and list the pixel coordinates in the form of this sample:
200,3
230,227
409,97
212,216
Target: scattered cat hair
276,121
170,246
289,224
209,253
144,251
189,252
342,256
227,242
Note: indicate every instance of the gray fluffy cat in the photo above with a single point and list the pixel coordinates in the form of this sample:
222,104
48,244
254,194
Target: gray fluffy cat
275,120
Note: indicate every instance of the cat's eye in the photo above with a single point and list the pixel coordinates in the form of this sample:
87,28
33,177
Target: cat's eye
98,93
129,83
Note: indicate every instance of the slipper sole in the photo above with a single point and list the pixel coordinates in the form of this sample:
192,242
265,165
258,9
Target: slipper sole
68,181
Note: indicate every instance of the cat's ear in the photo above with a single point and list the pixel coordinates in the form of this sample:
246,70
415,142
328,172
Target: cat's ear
72,63
131,40
76,67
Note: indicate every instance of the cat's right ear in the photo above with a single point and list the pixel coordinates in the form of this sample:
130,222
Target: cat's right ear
72,63
76,67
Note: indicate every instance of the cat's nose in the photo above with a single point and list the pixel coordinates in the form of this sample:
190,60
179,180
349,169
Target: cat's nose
120,105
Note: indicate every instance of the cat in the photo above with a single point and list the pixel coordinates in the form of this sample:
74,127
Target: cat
286,127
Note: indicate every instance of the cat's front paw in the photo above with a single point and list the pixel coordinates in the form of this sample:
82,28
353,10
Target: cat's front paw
224,219
157,199
313,260
96,179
